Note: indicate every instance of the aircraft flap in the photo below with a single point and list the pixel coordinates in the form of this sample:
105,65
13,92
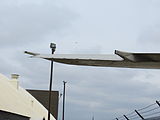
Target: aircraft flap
139,57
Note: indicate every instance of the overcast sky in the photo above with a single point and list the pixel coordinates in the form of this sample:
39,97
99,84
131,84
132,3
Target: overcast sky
83,26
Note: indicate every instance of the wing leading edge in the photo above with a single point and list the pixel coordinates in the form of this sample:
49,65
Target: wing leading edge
119,59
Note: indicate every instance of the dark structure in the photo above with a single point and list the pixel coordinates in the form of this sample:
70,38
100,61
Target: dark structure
11,116
42,97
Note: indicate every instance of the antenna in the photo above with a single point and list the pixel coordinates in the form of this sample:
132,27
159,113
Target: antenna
93,117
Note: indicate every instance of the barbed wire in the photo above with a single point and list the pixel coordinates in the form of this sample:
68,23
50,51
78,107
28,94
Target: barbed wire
146,107
132,116
137,117
145,112
149,110
130,113
153,114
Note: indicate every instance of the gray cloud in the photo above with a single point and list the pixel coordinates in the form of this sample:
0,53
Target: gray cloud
107,91
99,28
22,23
151,35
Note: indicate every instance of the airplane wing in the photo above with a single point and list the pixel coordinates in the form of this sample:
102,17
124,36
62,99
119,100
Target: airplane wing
119,59
31,53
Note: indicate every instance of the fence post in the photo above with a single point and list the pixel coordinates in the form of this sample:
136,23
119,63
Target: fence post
126,117
158,103
139,115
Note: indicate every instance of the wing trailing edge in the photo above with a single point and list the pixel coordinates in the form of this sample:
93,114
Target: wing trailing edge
119,59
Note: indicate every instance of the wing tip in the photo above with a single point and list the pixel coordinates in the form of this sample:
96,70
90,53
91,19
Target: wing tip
31,53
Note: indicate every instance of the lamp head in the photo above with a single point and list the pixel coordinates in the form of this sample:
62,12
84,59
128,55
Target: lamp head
53,46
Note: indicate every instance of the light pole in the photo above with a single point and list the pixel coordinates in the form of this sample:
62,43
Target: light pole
64,89
53,47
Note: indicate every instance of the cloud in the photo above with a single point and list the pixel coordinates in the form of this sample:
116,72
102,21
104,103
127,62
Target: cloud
151,35
100,27
23,22
108,91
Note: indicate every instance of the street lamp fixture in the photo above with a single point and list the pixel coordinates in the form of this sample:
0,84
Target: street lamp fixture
53,47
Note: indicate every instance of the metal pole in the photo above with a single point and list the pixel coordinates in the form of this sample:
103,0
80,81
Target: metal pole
158,103
64,89
139,115
60,95
53,47
126,117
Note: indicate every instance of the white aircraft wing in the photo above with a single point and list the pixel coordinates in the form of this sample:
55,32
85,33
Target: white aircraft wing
119,59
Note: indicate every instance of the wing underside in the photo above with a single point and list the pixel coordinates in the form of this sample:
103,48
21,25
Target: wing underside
119,59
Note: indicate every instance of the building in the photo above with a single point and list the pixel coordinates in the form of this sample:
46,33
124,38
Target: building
18,104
